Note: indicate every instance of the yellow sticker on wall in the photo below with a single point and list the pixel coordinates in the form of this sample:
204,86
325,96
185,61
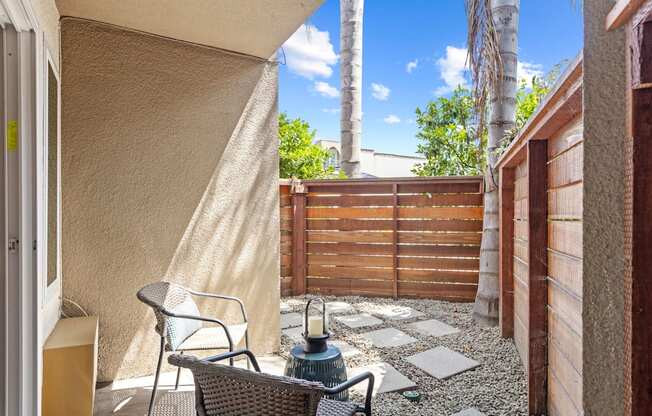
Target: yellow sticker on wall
12,135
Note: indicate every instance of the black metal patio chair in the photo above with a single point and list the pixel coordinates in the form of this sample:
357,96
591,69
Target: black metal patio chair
181,327
231,391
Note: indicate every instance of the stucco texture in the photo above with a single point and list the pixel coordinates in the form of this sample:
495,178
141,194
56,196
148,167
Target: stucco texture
605,128
169,171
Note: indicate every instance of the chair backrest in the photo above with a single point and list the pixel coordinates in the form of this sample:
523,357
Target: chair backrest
230,391
171,297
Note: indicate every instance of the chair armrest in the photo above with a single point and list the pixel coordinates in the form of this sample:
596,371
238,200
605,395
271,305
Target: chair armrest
352,382
223,297
231,354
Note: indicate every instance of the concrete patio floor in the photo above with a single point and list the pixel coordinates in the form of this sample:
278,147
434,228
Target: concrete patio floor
131,397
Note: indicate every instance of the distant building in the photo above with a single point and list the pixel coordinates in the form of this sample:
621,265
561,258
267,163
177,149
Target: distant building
374,164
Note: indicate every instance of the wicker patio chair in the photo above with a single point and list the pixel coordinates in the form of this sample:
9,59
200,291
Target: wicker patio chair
180,325
221,390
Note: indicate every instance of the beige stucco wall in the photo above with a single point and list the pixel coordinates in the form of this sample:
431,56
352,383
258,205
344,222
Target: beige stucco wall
605,128
170,171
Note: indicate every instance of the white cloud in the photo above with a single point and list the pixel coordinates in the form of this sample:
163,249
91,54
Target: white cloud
392,119
452,69
309,52
326,89
331,110
527,70
411,66
379,91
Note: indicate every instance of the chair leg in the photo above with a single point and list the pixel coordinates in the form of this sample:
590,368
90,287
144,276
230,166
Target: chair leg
247,347
158,370
176,385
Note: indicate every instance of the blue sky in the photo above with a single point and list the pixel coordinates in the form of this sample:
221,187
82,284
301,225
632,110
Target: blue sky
429,34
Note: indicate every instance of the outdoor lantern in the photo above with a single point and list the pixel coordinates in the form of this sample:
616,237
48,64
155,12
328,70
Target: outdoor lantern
315,360
315,328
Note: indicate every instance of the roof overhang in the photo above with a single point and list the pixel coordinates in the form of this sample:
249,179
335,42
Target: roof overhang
251,27
562,104
622,12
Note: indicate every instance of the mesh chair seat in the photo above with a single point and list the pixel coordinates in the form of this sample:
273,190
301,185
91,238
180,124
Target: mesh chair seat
212,338
328,407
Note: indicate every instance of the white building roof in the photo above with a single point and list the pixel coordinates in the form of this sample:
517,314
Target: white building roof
378,164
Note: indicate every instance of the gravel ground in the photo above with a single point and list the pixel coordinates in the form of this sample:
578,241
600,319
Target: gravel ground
497,387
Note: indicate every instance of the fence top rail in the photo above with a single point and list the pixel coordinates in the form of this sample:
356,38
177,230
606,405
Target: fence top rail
399,181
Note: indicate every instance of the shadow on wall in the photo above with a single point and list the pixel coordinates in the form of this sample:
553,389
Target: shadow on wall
224,250
170,171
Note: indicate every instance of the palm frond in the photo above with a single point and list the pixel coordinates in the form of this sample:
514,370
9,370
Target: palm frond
483,55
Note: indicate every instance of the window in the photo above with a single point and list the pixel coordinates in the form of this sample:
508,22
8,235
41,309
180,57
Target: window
49,193
52,127
333,158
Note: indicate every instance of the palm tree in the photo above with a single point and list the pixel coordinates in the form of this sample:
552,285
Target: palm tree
351,84
492,46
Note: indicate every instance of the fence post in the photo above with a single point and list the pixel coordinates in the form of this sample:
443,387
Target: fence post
506,250
395,234
537,158
298,239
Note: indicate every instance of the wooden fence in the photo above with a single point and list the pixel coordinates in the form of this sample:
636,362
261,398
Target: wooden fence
541,248
413,237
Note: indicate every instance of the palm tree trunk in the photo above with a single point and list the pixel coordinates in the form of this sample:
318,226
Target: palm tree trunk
501,119
351,12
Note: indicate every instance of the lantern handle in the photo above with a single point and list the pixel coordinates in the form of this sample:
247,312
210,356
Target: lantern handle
323,313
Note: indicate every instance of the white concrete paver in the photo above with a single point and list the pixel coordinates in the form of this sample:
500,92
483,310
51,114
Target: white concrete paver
387,379
285,308
290,320
358,321
336,307
347,349
295,334
388,337
433,328
442,362
397,313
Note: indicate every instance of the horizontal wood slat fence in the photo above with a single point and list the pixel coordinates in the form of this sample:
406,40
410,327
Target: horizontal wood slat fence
412,237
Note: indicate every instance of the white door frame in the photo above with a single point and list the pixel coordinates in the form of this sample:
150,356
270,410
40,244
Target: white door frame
29,313
22,317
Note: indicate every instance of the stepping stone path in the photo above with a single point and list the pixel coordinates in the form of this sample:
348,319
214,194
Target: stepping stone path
439,362
295,334
388,337
347,349
442,362
387,379
289,320
398,313
433,328
358,321
469,412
